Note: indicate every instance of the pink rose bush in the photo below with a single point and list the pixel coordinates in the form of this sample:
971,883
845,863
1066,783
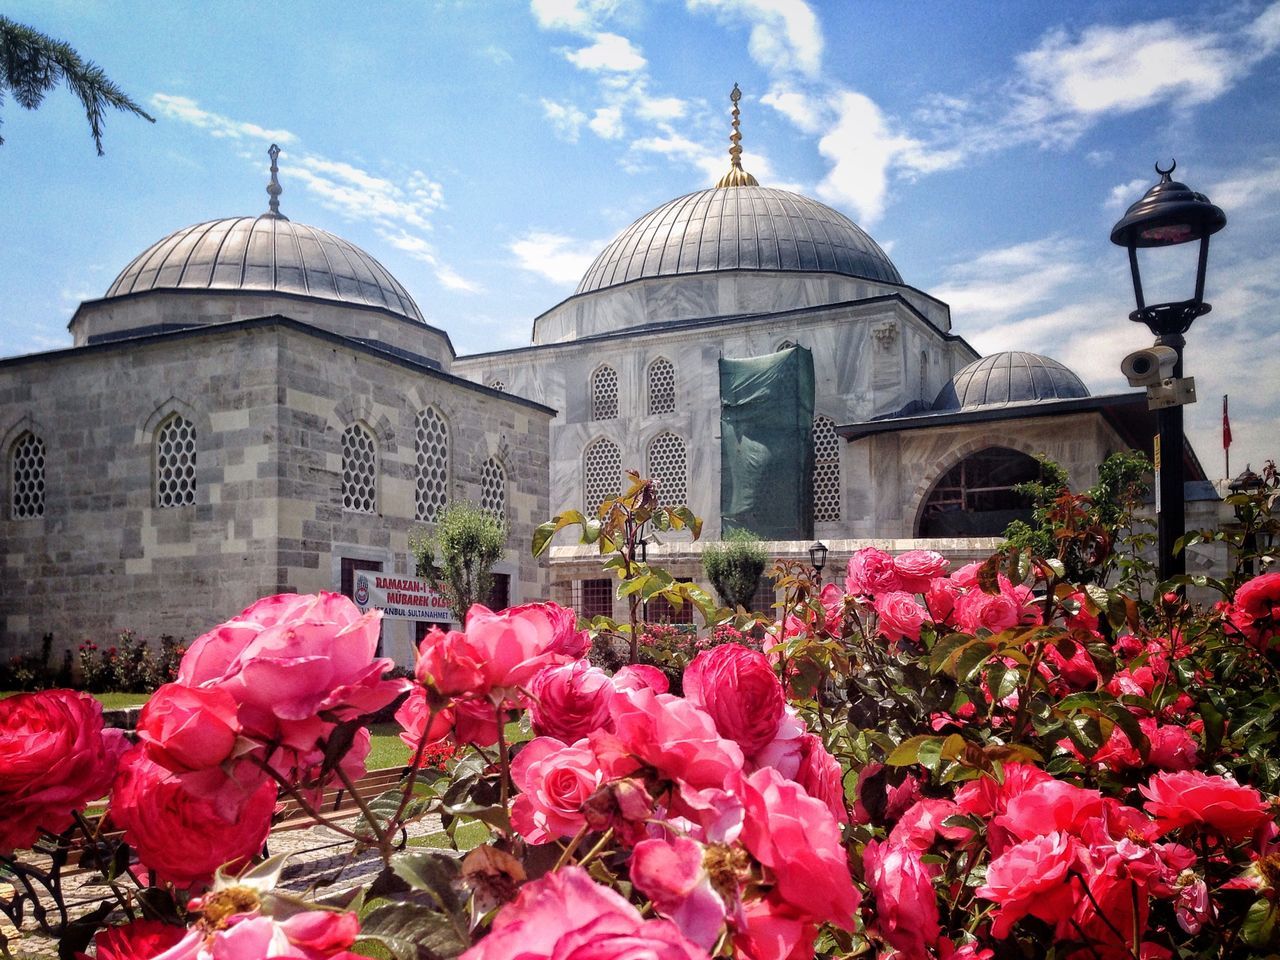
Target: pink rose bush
914,764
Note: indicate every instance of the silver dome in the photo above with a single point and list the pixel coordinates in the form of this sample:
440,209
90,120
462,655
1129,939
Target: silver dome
739,228
1011,377
265,254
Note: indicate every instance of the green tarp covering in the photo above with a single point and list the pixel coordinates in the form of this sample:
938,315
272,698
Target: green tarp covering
766,445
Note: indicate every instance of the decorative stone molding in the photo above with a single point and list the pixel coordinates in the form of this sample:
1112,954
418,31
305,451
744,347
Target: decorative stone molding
885,335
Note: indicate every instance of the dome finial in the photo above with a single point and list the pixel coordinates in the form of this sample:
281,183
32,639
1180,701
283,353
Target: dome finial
273,188
736,177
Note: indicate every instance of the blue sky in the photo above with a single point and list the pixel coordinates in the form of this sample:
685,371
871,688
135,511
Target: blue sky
485,151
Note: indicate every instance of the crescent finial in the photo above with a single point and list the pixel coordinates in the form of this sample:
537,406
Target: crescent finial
1164,174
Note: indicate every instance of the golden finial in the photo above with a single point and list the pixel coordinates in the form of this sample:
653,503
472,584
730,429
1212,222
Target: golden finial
736,177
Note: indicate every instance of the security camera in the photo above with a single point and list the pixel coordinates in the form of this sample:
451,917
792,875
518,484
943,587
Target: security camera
1149,367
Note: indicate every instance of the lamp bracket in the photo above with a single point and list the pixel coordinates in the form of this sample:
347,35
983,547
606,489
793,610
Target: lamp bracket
1168,319
1173,392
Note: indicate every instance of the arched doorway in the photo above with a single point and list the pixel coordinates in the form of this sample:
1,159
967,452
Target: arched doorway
975,498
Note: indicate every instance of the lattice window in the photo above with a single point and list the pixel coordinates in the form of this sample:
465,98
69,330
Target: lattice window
765,597
493,488
662,386
175,462
359,470
27,474
826,470
594,598
668,459
499,386
604,394
431,446
601,473
786,344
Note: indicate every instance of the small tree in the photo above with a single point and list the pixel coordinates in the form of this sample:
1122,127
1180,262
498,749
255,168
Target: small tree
459,557
734,567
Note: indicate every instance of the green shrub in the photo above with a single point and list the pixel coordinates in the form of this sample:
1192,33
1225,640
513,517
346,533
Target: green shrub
734,567
460,556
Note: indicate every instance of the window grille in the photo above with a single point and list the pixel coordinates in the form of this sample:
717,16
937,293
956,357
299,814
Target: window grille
662,386
175,462
27,462
765,597
595,598
662,610
431,445
359,470
604,394
493,488
498,385
826,470
667,468
601,473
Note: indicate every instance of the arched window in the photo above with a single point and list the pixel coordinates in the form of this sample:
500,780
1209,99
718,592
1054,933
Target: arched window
604,394
601,473
975,498
662,386
668,468
498,385
493,489
175,462
359,470
431,447
826,470
26,471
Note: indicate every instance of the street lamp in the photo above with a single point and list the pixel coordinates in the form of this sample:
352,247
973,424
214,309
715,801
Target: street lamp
818,558
1252,484
1169,214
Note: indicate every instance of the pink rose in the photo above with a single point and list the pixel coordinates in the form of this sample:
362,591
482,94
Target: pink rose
917,568
55,759
514,644
136,940
555,782
569,700
290,657
1191,798
449,664
671,874
675,736
987,796
565,915
1048,806
188,728
797,838
901,616
976,610
1032,877
568,640
638,675
940,599
1259,598
822,776
413,716
906,904
775,930
740,691
871,572
310,935
179,836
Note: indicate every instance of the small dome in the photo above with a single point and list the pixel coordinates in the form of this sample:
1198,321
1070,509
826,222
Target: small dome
743,227
265,254
1011,377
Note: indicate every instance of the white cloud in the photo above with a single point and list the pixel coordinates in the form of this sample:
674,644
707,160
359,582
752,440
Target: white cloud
565,118
864,149
559,258
658,108
581,16
994,288
1124,194
607,123
360,195
1249,189
785,34
496,54
189,111
806,112
420,249
610,52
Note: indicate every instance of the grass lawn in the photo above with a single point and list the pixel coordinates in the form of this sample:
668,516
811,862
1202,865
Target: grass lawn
386,748
111,701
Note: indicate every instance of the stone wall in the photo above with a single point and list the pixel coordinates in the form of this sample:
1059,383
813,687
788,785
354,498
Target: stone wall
269,402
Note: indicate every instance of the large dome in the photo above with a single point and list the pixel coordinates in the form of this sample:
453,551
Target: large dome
265,254
1011,377
739,228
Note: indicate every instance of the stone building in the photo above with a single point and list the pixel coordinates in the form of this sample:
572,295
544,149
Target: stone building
256,406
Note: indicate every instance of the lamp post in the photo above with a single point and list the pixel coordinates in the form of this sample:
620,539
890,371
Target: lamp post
1252,484
1169,214
818,558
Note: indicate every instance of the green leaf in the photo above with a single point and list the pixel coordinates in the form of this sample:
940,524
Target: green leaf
1259,927
413,931
433,873
1215,726
908,752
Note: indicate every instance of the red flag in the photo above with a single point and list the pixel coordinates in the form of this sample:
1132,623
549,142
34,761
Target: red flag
1226,425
